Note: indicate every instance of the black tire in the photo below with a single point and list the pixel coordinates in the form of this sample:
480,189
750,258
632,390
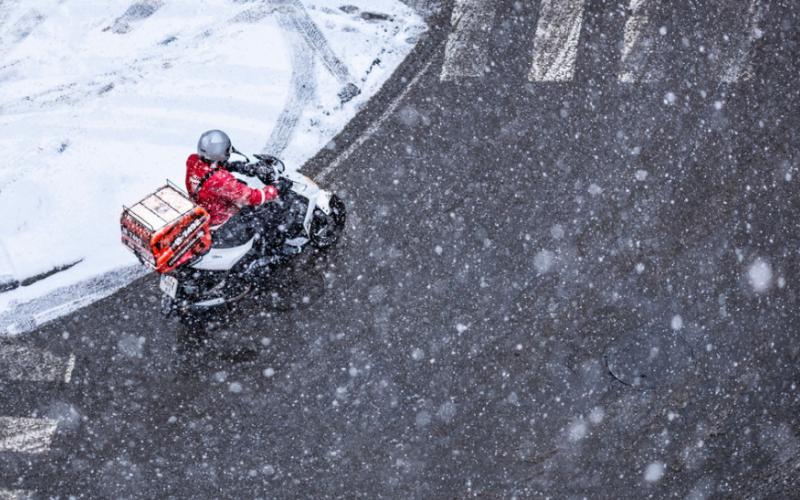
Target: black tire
327,228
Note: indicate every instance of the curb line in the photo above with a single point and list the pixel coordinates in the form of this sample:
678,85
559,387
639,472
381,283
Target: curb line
414,63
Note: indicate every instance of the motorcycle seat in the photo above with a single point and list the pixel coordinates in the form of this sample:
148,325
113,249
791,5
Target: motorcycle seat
232,234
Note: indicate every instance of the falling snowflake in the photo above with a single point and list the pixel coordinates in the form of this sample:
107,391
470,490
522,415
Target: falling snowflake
760,275
577,430
543,261
597,414
654,472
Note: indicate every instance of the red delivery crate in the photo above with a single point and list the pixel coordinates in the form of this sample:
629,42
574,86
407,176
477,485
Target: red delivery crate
166,229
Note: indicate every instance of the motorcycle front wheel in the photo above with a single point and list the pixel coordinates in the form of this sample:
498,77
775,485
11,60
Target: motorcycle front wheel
327,228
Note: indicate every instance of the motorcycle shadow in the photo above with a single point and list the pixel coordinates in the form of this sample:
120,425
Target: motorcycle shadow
225,334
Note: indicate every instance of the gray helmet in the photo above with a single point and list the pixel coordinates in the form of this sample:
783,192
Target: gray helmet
214,145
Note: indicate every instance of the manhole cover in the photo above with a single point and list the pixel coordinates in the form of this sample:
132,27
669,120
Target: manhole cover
648,358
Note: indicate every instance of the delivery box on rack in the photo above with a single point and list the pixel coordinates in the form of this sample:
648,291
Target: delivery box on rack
166,229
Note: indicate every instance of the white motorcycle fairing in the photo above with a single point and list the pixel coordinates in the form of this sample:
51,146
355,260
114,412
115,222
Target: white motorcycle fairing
317,197
223,259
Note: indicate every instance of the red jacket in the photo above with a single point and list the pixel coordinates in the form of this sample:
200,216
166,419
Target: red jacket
222,194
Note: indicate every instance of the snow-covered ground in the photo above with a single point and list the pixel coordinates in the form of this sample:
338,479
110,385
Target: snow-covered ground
101,101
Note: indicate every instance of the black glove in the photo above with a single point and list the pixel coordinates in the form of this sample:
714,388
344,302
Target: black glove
283,185
261,170
264,172
268,160
239,167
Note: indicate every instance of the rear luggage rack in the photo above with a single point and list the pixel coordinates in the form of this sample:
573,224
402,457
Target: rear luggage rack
165,229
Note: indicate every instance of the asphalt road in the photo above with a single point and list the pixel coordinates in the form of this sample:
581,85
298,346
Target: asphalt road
570,288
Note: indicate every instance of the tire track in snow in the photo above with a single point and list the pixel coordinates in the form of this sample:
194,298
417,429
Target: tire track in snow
12,33
6,67
317,41
23,27
136,13
132,71
303,87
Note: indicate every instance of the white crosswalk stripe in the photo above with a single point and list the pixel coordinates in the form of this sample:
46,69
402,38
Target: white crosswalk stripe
635,47
466,53
555,45
21,363
740,66
558,34
33,436
15,495
26,435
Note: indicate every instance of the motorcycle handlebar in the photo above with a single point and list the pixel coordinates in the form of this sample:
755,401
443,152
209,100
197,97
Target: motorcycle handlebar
274,163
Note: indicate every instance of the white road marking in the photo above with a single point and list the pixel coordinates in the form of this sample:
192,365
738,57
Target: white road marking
466,53
70,368
740,68
635,47
26,435
555,44
30,315
15,495
374,126
21,363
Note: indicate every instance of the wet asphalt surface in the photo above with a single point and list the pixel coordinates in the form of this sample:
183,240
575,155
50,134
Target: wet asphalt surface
515,309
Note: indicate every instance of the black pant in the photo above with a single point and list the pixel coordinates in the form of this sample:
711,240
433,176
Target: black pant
240,228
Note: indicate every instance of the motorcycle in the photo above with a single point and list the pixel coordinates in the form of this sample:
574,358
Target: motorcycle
305,217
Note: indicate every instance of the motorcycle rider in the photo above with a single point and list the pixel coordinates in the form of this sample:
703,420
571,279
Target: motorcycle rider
237,210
